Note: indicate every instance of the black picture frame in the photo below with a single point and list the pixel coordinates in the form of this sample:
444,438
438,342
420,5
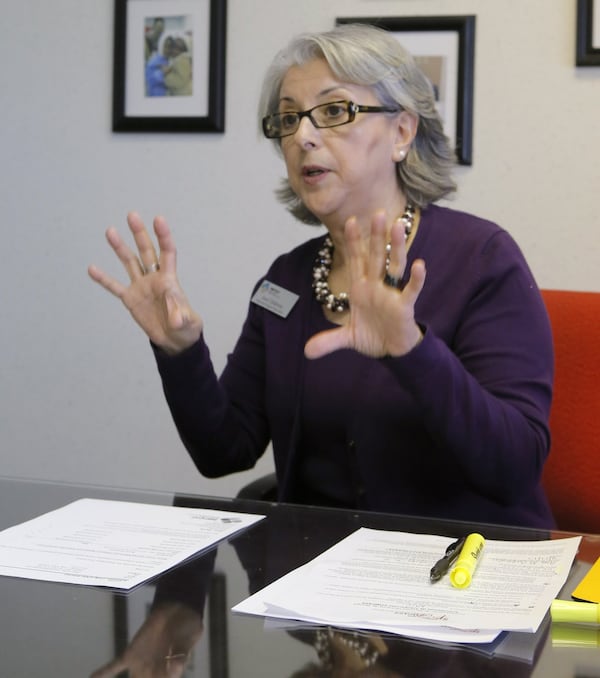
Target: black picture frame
461,134
587,45
202,108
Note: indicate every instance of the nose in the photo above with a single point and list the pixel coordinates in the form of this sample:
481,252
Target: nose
306,134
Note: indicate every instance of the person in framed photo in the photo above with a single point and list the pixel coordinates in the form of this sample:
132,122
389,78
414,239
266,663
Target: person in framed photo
156,67
178,72
401,361
155,27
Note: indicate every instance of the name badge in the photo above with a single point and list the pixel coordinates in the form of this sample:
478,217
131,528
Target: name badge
274,298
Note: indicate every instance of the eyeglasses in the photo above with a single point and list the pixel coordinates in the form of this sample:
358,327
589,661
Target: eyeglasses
332,114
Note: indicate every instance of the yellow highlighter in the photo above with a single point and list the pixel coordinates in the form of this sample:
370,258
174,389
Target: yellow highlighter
575,613
468,559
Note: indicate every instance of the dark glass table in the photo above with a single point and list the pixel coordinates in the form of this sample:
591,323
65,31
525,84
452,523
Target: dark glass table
180,624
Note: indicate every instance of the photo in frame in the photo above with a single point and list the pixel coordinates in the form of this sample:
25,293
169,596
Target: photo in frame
587,51
444,48
169,66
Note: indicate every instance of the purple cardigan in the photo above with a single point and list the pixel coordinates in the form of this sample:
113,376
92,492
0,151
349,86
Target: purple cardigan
457,428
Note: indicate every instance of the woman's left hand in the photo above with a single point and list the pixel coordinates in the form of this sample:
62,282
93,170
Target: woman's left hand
382,319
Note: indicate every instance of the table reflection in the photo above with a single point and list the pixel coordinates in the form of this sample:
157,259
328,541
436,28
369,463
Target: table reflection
165,641
163,645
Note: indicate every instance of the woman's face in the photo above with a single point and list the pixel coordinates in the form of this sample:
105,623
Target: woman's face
343,171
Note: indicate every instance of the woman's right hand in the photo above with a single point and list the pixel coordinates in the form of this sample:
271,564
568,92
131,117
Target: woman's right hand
161,648
154,296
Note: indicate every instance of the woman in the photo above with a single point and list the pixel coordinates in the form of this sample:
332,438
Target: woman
178,73
379,388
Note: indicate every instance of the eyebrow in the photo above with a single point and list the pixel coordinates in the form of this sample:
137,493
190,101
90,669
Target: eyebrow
322,93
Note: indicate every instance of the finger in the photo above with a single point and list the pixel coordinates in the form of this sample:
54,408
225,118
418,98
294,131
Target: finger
178,313
110,284
111,669
176,668
377,244
326,342
415,282
166,244
355,249
126,255
143,240
397,262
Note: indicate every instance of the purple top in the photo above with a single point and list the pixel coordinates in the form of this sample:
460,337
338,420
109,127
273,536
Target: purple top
457,428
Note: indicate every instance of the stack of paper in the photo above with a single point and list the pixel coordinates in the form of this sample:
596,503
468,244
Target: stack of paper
379,580
112,543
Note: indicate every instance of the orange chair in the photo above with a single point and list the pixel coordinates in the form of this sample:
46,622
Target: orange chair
572,473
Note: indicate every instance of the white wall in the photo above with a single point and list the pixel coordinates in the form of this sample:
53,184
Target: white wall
80,399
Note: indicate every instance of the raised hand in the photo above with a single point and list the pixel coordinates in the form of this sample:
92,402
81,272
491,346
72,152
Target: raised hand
381,320
154,296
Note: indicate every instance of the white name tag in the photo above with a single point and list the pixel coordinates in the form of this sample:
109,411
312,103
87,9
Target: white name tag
275,298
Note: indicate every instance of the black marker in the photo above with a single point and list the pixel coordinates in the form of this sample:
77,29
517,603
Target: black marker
443,564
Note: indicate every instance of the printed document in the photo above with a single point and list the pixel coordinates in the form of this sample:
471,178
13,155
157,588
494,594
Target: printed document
376,579
112,543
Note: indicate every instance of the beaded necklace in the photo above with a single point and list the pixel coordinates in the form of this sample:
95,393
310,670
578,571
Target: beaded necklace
322,267
362,648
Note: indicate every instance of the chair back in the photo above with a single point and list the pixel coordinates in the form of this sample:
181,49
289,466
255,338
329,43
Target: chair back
572,472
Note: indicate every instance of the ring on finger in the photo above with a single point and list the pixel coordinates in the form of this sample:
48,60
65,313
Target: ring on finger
392,281
154,266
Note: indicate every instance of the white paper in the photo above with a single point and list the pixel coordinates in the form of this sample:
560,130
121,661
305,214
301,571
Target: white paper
379,580
112,543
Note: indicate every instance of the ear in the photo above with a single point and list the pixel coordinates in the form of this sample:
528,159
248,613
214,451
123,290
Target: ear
406,130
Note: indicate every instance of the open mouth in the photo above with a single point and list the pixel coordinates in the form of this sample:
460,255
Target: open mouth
312,171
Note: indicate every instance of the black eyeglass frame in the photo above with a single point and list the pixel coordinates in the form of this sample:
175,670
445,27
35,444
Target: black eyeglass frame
352,110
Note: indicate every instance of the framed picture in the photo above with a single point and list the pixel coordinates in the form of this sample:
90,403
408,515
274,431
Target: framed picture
169,66
588,33
444,47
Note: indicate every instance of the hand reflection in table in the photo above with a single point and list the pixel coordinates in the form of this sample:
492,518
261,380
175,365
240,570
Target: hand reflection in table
163,645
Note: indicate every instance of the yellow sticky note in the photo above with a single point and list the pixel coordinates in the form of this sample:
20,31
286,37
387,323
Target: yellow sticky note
588,588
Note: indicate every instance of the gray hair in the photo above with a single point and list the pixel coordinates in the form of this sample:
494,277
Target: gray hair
365,55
